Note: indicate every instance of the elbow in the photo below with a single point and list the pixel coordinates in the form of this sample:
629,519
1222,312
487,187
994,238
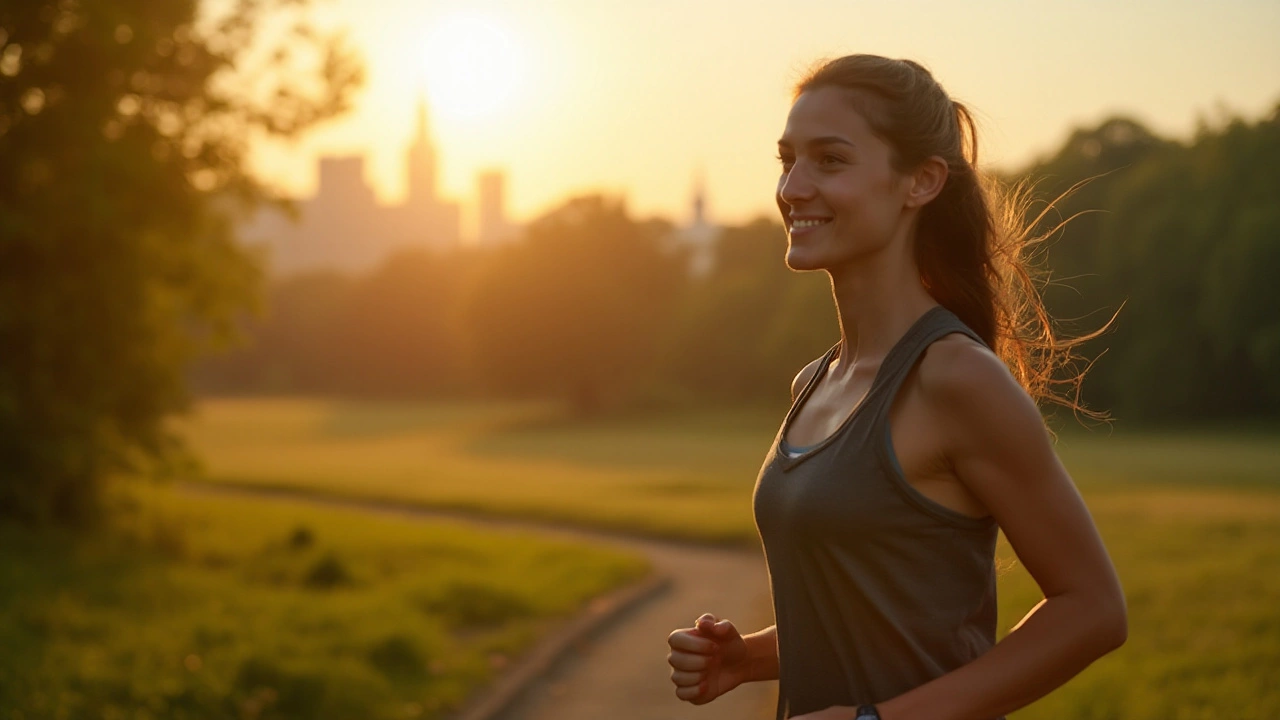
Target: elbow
1113,624
1121,631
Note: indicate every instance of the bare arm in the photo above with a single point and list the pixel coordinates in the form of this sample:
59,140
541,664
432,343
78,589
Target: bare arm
762,649
997,443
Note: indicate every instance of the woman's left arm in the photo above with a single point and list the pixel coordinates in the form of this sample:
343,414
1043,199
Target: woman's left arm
996,441
998,445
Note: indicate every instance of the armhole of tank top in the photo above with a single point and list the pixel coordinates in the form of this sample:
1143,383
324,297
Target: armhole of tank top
882,438
796,402
807,388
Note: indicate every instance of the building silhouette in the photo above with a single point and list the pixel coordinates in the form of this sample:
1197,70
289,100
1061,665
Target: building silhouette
492,225
343,227
698,237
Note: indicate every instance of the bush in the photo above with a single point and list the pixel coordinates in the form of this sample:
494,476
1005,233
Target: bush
328,572
265,690
398,658
302,538
471,606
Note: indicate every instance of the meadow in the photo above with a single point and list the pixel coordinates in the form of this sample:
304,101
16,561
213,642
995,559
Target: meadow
1191,517
190,606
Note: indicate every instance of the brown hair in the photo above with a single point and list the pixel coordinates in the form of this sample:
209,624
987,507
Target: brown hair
974,241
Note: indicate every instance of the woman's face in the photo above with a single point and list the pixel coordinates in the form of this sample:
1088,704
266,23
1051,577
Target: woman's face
839,195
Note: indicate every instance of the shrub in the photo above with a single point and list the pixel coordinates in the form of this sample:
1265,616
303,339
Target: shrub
398,658
328,572
474,606
301,538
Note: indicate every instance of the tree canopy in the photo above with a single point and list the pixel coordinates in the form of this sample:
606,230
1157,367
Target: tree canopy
124,126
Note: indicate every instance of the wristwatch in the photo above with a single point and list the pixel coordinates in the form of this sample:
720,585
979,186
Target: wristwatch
867,712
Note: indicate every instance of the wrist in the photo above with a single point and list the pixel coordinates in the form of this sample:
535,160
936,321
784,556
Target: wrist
762,656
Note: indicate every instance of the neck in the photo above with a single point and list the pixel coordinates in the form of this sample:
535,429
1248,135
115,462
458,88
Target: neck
878,297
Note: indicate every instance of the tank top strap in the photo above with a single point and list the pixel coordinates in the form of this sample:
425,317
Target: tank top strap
936,323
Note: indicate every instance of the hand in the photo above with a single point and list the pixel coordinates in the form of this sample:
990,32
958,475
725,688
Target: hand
707,660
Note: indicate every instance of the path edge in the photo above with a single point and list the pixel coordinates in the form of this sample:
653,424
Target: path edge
493,699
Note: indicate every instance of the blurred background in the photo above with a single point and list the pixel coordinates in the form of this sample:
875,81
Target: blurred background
523,260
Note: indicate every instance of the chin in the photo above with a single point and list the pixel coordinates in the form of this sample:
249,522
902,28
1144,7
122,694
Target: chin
799,260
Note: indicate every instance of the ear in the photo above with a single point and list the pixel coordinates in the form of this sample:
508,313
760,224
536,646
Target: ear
927,181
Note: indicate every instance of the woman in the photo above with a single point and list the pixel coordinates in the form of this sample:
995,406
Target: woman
909,443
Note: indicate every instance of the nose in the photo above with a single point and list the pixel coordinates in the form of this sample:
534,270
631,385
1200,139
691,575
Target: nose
794,186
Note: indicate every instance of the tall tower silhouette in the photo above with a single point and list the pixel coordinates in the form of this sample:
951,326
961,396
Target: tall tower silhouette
700,235
699,199
421,162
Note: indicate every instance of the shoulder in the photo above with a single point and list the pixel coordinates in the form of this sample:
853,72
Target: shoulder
972,393
956,366
803,377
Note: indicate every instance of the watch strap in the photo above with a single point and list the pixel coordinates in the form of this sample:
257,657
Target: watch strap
867,712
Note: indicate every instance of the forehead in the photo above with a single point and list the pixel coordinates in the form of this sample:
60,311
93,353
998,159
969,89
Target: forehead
828,112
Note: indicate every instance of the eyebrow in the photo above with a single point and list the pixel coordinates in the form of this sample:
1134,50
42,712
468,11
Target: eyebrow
825,140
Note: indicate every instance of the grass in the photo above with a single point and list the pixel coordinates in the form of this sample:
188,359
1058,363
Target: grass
207,607
654,478
1191,518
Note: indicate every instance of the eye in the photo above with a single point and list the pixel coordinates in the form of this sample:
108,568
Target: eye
831,159
787,162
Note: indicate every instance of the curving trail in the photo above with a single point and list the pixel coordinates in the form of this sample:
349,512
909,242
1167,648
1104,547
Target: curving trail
619,671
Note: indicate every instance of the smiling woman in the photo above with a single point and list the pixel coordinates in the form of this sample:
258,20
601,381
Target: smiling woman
473,66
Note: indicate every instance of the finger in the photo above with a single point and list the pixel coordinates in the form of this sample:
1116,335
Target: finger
724,629
705,623
680,678
688,662
689,693
688,642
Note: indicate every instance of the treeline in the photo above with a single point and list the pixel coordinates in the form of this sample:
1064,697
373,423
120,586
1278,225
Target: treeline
591,306
1185,238
597,308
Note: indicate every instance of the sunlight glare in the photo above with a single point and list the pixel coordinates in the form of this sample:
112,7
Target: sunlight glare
472,66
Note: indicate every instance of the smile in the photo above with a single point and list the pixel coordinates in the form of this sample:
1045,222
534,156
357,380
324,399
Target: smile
806,224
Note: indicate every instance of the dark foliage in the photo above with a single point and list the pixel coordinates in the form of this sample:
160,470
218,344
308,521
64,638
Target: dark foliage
123,131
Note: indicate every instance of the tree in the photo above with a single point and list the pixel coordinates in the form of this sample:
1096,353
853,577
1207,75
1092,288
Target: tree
575,309
1186,236
1193,239
124,126
752,323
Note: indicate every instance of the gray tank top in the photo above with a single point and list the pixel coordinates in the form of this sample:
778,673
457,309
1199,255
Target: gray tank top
876,588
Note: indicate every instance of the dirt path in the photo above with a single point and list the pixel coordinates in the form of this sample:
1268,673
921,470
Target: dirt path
620,671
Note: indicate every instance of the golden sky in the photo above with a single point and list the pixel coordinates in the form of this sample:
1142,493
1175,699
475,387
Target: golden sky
636,97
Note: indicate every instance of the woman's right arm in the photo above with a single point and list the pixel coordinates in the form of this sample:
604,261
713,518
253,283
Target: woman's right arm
712,657
762,648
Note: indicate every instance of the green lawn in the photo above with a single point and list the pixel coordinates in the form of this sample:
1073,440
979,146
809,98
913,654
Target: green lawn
1192,519
208,607
656,477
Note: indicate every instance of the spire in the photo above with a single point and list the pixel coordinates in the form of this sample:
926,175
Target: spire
699,197
421,161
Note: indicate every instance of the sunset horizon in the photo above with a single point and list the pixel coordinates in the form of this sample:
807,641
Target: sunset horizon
550,96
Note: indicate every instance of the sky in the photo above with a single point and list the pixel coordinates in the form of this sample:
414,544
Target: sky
638,99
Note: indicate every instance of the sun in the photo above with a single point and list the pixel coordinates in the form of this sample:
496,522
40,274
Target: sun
472,66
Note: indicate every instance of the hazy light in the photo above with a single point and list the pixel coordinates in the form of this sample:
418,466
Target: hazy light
472,66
